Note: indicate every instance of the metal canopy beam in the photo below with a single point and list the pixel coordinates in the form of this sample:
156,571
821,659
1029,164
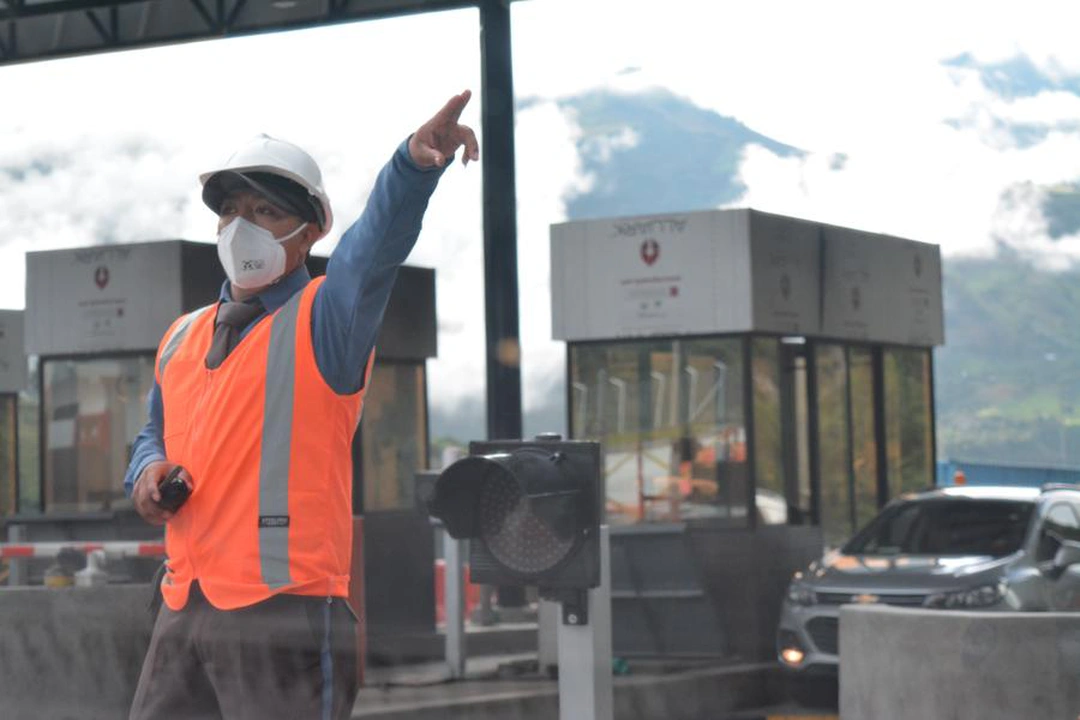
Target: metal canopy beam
61,28
17,9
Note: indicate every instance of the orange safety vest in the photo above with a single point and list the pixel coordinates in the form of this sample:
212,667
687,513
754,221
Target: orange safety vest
267,443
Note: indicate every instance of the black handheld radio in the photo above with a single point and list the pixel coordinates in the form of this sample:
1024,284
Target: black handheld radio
174,491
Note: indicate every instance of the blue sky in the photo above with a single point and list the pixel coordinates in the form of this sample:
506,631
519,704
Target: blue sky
107,148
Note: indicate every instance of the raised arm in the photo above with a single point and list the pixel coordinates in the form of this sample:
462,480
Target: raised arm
360,275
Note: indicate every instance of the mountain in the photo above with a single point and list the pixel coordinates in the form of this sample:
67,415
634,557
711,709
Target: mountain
1006,380
654,152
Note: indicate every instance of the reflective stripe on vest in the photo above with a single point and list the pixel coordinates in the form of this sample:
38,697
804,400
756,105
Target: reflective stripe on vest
277,447
177,337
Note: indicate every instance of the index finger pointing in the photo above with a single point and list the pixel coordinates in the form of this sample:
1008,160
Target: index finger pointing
453,108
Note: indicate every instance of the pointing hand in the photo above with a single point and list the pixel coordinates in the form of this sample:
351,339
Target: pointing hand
440,137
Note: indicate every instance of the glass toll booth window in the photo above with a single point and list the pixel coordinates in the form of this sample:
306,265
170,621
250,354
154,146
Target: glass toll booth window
874,406
781,444
909,421
92,409
394,435
669,415
863,438
768,454
832,423
9,466
847,440
29,413
838,428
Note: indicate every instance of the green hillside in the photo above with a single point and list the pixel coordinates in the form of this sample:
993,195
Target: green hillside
1007,381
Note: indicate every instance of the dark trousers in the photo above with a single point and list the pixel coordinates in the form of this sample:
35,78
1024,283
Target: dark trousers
291,656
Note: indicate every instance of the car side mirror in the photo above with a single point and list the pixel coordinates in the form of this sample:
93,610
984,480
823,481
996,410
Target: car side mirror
1068,554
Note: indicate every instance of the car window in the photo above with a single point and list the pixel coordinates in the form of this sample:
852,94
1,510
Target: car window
946,526
1061,523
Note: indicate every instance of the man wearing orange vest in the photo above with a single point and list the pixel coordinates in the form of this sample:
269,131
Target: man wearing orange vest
254,407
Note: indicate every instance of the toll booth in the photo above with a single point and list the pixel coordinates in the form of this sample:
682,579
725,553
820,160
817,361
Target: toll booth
94,319
761,386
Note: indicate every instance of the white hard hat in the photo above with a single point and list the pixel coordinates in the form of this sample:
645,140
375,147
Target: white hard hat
264,156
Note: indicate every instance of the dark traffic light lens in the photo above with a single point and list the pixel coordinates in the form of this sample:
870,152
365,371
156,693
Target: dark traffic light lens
531,508
514,535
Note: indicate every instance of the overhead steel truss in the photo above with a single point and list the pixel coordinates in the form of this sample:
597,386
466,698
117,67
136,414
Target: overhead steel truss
42,29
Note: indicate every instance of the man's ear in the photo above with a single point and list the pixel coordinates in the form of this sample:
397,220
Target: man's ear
306,239
312,234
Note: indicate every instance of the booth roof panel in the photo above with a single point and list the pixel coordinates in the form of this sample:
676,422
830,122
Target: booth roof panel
106,298
881,288
122,298
741,270
785,272
651,275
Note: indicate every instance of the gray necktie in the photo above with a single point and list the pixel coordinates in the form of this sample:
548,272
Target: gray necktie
232,318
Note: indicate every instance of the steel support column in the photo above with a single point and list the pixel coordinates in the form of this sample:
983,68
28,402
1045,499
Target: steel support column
500,236
500,225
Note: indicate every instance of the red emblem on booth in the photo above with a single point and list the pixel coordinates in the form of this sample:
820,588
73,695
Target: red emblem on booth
101,277
650,251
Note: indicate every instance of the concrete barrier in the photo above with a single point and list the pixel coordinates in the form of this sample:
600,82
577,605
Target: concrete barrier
900,663
71,652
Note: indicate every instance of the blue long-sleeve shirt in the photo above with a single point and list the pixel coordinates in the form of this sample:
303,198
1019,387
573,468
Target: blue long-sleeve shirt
348,308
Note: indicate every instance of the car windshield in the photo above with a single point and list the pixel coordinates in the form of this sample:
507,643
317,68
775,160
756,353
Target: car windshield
945,526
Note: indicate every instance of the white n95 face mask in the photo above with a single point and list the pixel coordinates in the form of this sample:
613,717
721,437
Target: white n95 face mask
251,255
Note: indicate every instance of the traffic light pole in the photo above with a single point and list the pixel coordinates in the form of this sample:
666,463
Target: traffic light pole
585,686
454,553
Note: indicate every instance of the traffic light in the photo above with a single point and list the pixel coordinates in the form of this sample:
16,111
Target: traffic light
531,509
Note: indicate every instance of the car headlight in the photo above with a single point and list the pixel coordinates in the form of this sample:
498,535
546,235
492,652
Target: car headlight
982,596
800,594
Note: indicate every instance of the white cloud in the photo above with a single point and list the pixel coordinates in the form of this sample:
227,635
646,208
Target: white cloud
947,191
548,170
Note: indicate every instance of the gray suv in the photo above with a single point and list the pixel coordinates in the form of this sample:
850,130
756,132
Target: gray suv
965,547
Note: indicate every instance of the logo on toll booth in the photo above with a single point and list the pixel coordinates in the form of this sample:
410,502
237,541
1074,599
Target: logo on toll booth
650,251
101,276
